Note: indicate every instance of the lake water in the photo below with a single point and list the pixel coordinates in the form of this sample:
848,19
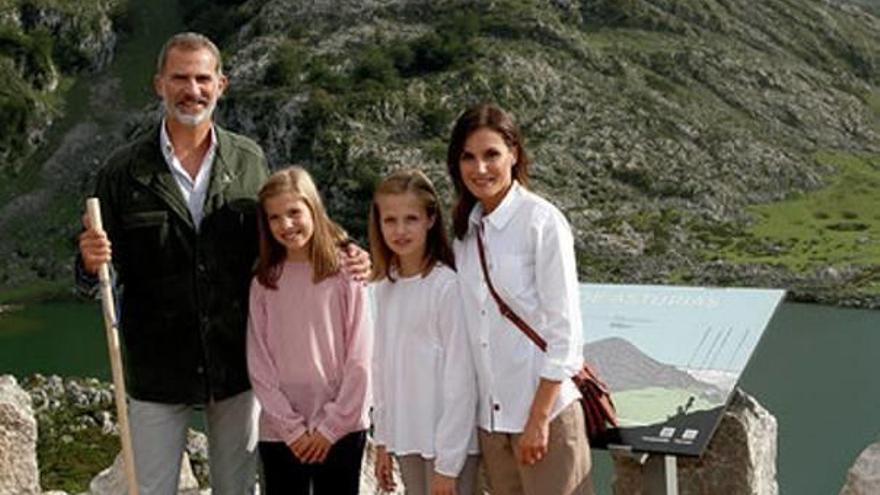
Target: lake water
815,370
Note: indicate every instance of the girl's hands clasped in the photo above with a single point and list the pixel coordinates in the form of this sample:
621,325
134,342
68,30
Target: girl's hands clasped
311,447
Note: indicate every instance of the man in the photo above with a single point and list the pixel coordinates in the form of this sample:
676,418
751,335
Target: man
179,208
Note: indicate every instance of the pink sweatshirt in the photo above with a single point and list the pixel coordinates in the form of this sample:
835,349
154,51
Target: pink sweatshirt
309,349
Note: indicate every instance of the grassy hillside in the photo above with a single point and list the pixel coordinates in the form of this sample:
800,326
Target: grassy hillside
658,127
676,135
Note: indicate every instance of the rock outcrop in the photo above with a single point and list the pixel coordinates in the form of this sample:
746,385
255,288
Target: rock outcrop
43,42
111,481
19,474
77,418
653,125
740,459
863,477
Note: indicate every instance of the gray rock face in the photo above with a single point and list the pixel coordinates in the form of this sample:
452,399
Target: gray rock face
740,459
197,450
88,36
18,441
111,481
863,477
80,38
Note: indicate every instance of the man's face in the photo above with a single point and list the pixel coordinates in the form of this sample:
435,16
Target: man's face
189,85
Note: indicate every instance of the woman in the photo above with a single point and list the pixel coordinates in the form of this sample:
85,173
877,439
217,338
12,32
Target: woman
531,428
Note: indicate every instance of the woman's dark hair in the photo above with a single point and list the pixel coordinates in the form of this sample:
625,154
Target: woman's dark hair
489,116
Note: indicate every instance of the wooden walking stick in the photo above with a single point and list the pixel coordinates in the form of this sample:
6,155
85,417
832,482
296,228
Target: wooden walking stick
93,209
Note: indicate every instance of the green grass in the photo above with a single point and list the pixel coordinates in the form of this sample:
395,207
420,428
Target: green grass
40,290
834,226
654,404
71,466
70,456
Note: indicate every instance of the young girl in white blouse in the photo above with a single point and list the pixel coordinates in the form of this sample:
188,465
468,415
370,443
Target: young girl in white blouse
531,428
424,381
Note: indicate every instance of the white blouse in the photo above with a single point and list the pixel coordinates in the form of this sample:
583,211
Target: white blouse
425,389
531,261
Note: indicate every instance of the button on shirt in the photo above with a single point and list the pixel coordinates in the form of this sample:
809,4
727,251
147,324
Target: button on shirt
193,190
530,256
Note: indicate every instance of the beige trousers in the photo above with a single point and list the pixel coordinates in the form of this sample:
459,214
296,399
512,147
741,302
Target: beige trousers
564,470
417,472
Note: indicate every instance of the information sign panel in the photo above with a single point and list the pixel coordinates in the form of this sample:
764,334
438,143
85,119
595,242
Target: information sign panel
672,356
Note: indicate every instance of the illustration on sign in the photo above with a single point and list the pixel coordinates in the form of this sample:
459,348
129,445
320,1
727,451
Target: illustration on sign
671,357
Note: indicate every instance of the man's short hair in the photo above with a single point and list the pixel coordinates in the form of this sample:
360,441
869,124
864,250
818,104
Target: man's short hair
189,41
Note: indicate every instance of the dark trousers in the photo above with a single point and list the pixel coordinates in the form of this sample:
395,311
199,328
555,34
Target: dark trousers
339,473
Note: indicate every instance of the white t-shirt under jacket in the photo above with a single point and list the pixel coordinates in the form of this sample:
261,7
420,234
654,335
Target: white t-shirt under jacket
425,390
531,261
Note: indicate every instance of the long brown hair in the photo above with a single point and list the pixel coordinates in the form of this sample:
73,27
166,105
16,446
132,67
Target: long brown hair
436,244
322,246
490,116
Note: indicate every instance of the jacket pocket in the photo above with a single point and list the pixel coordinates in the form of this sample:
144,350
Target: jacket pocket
143,219
143,242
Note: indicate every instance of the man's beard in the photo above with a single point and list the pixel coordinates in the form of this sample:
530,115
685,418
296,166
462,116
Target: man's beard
189,119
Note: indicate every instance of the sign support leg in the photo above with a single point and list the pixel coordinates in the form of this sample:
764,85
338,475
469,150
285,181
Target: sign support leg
661,475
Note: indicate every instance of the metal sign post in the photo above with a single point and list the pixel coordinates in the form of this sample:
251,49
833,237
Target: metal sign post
660,471
661,474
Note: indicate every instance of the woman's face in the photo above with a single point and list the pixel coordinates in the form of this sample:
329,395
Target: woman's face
486,167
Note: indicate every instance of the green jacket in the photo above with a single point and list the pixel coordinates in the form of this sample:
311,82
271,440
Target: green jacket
184,293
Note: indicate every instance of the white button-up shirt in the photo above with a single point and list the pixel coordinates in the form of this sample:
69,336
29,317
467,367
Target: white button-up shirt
193,190
530,256
424,385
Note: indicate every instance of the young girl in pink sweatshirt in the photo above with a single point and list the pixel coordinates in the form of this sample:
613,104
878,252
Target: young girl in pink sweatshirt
309,345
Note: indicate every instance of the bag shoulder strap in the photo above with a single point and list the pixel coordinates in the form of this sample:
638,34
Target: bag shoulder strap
503,307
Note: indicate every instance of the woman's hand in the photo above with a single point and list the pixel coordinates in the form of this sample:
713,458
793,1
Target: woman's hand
532,444
384,469
442,485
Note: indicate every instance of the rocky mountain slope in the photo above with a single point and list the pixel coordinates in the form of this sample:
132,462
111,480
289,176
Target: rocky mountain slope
41,44
653,124
661,128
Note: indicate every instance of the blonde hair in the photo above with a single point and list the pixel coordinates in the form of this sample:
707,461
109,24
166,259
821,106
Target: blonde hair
327,234
437,243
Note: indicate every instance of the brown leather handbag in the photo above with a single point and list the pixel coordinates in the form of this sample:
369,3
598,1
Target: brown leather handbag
596,402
